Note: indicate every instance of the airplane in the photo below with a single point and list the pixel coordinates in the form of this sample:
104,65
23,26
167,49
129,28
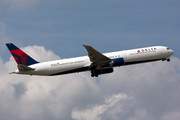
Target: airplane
95,62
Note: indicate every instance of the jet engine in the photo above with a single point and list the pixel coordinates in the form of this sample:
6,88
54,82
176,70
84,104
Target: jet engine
102,71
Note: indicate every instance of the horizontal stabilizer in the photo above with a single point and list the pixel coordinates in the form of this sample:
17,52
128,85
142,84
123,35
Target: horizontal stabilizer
11,72
24,68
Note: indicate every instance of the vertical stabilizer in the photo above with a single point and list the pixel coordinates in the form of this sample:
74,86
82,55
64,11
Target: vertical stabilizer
20,56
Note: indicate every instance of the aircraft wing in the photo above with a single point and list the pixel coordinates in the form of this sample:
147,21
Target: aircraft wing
96,57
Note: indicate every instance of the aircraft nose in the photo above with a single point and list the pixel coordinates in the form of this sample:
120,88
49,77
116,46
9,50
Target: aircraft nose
171,52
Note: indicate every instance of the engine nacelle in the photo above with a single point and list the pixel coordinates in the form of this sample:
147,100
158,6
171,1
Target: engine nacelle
118,62
113,63
104,71
110,64
107,70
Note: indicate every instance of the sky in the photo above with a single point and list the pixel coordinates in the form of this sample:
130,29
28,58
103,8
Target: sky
50,30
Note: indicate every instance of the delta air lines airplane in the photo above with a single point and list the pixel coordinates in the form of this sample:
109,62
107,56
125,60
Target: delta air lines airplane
95,62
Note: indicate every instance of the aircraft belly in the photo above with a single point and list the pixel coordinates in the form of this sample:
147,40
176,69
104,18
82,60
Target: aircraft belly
67,69
78,69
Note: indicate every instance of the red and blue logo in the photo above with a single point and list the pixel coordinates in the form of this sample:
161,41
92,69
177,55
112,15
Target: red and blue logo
20,56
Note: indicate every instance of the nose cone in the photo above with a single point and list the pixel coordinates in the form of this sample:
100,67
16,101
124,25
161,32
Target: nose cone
171,52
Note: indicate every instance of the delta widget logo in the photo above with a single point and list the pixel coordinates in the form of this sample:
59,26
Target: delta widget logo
146,50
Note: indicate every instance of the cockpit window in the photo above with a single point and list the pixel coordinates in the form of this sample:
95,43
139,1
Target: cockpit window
168,49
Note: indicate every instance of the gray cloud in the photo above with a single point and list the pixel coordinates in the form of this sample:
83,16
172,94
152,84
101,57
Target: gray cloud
96,112
19,90
152,87
136,92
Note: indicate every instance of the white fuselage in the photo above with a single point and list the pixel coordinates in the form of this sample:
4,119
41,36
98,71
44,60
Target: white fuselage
80,64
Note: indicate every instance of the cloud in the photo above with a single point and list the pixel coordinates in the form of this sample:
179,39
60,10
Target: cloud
95,112
19,90
174,115
40,56
152,87
135,92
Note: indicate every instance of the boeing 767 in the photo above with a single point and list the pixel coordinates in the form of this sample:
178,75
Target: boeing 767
95,62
